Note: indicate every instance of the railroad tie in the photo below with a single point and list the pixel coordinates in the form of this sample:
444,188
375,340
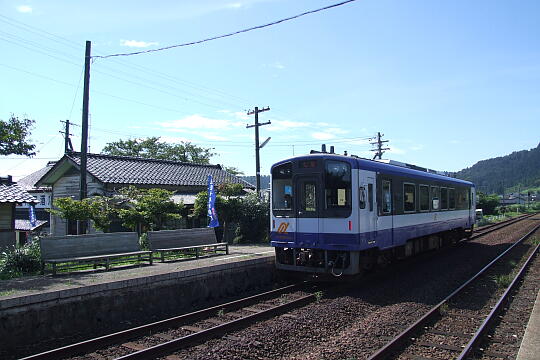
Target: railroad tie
134,346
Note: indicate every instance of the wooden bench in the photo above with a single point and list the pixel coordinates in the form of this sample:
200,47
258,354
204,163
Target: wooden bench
72,251
188,241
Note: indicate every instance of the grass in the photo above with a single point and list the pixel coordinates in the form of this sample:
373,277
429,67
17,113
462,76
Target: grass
7,292
503,281
318,295
221,312
443,309
535,240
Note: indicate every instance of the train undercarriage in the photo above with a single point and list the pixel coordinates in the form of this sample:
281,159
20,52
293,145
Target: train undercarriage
341,262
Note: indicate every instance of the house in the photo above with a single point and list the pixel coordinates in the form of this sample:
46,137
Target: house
10,196
43,196
107,174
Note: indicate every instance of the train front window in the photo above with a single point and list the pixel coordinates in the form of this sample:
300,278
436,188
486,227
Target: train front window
282,188
337,185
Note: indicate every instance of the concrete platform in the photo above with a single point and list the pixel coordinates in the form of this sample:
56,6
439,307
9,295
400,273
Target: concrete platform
530,345
79,304
11,291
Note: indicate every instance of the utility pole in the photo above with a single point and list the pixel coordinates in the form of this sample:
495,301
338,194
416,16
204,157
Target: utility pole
257,147
379,150
84,137
68,146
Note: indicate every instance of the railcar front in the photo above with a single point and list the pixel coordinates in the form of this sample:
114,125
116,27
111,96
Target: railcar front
314,205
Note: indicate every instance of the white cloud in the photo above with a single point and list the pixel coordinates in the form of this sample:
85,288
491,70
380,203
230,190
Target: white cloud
395,150
214,137
287,124
323,124
323,136
173,139
241,115
198,122
417,147
137,44
235,5
337,131
24,8
277,65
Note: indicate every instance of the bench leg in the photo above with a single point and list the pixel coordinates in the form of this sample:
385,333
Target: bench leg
107,264
54,268
196,253
42,268
151,260
227,249
162,256
139,259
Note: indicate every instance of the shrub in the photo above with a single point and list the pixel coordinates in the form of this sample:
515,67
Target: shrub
253,221
20,261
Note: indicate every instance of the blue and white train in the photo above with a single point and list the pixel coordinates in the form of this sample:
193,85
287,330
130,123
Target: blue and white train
338,214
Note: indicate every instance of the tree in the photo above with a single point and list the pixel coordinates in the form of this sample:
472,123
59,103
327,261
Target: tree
14,135
254,220
228,205
149,207
100,209
154,149
233,170
487,203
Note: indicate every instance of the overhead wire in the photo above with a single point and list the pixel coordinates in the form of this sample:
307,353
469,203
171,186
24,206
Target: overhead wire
225,35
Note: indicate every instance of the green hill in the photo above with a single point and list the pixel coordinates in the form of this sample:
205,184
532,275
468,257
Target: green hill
520,169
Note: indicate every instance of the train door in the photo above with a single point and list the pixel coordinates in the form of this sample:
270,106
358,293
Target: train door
472,206
385,219
307,211
368,210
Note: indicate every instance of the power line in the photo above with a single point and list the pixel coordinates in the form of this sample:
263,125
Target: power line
226,35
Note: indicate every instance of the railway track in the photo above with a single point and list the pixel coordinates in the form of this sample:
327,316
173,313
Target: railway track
454,328
493,227
166,336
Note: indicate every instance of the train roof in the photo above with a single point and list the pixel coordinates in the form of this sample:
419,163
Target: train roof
391,167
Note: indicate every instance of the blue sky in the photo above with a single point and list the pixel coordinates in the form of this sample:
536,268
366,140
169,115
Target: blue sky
449,83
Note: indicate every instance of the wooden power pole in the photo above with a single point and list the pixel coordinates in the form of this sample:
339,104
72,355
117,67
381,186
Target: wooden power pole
84,136
257,147
379,150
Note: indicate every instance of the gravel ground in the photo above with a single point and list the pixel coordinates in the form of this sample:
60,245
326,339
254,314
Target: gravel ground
505,338
356,322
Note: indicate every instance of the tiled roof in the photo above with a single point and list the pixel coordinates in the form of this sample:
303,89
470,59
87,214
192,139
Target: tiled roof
25,225
14,194
130,170
29,182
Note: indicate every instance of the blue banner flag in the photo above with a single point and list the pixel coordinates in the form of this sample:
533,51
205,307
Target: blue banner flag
32,215
212,214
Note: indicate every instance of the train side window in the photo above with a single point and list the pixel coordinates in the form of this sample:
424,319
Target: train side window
424,198
434,198
370,196
451,199
386,197
444,198
409,197
362,197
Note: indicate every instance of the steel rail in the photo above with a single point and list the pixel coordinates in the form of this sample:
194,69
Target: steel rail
117,337
497,309
434,312
219,330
